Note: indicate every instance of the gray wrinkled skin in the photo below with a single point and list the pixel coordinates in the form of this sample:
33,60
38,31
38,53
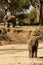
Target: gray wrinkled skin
32,46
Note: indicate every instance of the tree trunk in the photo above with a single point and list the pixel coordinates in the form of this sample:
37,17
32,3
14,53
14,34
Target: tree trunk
38,12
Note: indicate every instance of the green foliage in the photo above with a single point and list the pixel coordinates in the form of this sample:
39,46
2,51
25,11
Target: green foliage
29,17
33,15
23,3
22,16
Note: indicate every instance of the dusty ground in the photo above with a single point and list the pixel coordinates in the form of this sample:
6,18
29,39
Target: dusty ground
18,55
16,52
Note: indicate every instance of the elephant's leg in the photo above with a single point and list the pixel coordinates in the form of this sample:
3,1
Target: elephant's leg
14,24
30,52
8,25
34,51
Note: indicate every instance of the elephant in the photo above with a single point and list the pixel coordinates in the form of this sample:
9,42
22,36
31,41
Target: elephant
10,19
33,45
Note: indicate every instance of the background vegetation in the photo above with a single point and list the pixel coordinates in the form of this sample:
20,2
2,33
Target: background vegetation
18,6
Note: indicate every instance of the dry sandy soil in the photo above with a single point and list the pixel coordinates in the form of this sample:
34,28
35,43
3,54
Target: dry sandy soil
16,52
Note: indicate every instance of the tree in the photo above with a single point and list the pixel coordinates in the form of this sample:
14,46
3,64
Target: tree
16,5
1,15
38,4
